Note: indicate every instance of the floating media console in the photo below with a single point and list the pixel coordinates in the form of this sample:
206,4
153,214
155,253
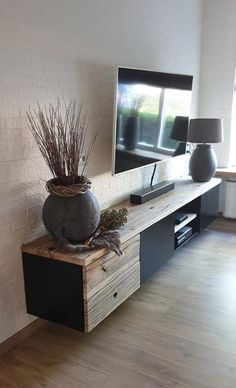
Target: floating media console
80,290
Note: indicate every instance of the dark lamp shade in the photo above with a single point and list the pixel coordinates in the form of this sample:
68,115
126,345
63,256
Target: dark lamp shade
180,129
205,131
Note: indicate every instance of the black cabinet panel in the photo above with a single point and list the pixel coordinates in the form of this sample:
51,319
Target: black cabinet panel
54,290
156,246
209,207
157,242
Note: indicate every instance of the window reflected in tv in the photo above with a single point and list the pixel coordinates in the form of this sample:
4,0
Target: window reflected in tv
151,122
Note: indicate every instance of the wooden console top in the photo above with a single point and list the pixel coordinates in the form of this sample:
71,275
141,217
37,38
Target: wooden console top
140,217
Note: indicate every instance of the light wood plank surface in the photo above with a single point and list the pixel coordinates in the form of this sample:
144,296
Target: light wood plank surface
140,217
104,270
110,297
178,330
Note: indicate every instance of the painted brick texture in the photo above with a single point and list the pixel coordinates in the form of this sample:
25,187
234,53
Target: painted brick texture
70,49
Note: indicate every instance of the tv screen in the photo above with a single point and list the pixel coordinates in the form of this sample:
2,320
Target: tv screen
151,117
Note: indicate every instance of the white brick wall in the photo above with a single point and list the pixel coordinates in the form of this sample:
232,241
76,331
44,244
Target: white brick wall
52,48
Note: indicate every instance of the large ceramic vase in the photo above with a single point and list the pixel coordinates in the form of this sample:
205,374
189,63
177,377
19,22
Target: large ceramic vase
72,218
131,133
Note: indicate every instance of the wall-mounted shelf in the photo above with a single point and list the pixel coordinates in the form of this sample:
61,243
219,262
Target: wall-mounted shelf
80,290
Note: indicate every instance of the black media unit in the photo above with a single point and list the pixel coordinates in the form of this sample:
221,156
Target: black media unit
157,243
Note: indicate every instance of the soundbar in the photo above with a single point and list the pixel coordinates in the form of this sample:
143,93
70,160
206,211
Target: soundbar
151,192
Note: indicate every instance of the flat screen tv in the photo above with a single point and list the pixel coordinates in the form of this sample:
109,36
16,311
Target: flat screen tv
151,114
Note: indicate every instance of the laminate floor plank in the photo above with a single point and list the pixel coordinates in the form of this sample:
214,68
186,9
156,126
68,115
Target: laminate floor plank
177,331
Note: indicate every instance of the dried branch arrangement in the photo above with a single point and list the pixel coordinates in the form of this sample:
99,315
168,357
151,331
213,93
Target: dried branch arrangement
105,239
60,133
136,105
106,236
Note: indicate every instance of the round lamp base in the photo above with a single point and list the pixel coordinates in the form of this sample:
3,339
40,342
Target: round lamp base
203,163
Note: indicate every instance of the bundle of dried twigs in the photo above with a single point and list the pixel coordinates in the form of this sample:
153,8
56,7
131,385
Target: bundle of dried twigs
60,133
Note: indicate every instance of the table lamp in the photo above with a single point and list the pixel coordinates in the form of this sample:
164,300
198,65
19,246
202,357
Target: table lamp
203,160
179,133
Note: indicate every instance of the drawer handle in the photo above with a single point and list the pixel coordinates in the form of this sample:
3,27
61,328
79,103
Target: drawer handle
104,268
115,294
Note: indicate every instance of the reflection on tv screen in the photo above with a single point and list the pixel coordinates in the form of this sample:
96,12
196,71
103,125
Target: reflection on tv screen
152,117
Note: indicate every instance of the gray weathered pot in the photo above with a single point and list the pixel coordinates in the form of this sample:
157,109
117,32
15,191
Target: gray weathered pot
202,164
74,218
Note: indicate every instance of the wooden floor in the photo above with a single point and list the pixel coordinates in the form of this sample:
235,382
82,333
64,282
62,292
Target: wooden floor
178,330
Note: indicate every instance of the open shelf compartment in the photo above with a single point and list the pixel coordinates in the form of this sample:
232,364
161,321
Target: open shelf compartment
190,217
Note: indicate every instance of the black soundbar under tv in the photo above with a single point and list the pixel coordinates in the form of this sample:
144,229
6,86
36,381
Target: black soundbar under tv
151,192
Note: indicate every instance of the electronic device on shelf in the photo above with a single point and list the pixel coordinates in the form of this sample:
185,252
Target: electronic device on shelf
182,235
180,217
151,111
